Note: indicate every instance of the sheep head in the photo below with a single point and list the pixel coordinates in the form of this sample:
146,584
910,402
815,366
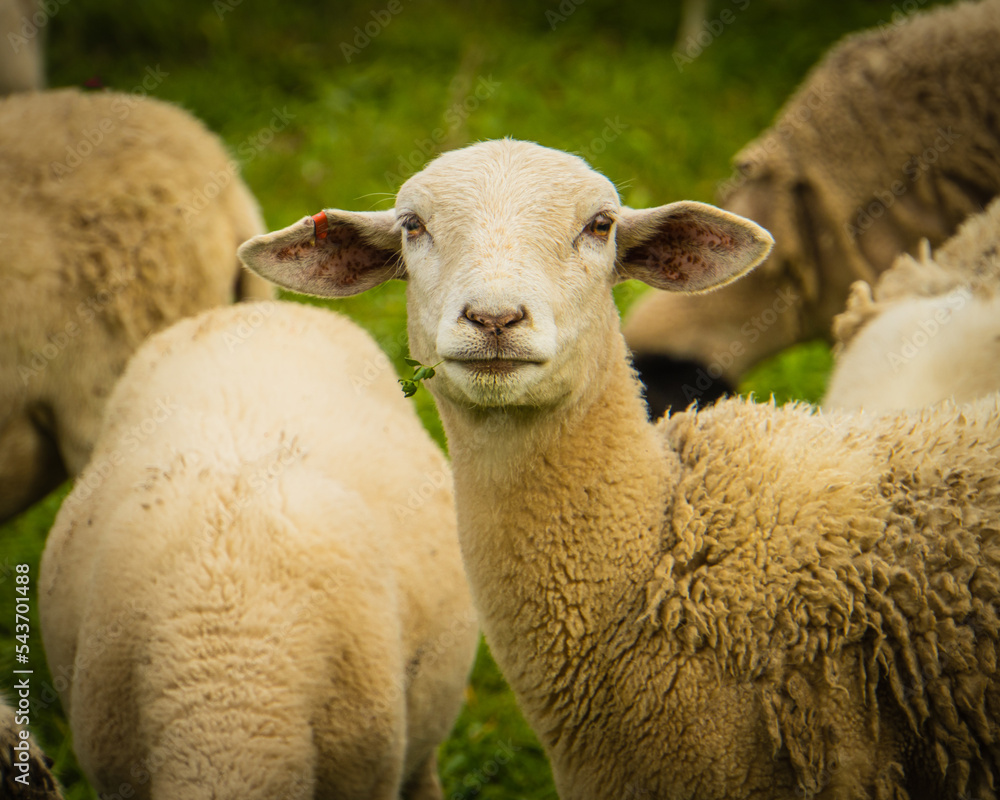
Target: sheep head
510,251
771,188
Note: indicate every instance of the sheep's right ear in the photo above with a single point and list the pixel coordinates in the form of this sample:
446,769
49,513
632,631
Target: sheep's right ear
333,254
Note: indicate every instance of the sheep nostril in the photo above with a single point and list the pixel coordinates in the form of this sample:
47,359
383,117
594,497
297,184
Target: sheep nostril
495,323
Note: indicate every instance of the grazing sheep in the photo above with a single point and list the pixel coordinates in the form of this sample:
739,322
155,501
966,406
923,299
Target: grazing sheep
22,38
892,138
255,588
930,332
118,215
746,602
24,768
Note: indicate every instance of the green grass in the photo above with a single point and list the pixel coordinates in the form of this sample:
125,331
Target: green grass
314,130
799,373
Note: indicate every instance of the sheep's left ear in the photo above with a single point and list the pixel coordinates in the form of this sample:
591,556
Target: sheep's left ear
688,247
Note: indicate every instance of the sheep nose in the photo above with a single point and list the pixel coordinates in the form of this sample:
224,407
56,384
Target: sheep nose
495,323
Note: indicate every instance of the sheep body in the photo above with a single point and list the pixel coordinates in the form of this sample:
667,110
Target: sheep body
103,245
890,139
814,614
929,331
242,591
746,602
843,572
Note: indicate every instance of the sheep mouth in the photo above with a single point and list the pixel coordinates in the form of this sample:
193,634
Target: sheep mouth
492,366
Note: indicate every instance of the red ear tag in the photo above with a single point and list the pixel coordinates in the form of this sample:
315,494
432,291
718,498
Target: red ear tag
319,220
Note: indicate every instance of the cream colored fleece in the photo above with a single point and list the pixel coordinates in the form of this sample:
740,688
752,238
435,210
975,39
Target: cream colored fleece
746,602
255,588
930,329
119,214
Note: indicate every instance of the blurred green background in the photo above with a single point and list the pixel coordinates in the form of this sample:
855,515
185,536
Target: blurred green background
334,104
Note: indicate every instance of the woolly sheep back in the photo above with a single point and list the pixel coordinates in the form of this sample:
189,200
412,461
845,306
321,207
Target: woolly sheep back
109,235
883,530
247,532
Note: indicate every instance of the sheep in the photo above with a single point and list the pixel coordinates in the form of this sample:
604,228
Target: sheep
890,139
930,331
118,215
22,58
24,768
255,589
741,602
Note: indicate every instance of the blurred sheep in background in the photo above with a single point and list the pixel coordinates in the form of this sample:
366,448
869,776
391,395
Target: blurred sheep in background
892,138
119,214
930,330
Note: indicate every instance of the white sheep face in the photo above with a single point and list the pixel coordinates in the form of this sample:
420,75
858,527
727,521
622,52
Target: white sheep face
510,257
510,250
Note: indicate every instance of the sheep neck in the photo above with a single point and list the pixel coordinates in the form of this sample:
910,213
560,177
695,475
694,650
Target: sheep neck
559,545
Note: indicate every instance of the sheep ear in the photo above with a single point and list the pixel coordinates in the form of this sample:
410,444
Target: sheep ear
333,254
688,247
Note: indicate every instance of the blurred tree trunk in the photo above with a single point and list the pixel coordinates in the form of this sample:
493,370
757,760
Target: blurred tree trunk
694,14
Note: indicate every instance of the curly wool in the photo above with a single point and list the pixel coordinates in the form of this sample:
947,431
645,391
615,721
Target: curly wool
877,574
775,603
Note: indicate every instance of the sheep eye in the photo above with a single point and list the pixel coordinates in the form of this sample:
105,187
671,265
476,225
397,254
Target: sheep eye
413,227
600,226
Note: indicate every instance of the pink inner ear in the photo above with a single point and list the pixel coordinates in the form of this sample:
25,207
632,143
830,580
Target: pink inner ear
675,253
339,256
